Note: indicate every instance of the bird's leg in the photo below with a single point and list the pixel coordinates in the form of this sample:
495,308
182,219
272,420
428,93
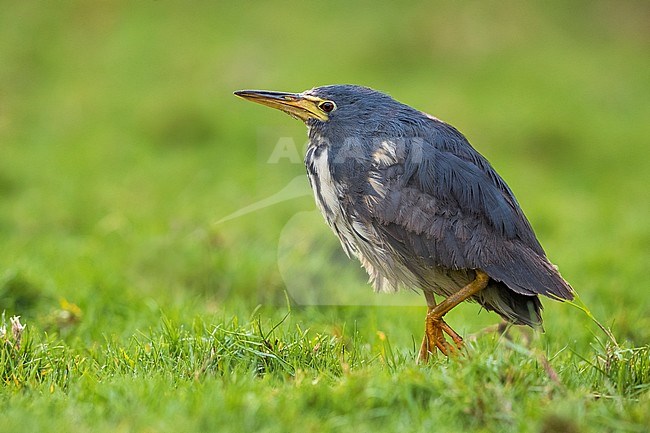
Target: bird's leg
433,335
434,323
430,333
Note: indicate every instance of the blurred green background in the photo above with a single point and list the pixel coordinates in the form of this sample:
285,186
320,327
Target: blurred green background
121,146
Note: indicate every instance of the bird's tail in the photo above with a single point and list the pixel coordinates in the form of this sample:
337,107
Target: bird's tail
513,307
528,273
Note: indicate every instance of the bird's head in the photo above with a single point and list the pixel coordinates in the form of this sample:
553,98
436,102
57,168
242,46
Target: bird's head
347,107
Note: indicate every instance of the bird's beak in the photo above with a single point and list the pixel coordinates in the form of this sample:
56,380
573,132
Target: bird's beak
296,105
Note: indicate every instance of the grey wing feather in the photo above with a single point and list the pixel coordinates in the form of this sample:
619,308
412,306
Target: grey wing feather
447,205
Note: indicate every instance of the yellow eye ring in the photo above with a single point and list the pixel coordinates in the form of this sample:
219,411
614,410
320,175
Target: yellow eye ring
327,106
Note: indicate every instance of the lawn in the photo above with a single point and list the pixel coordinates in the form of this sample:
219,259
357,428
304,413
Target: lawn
124,155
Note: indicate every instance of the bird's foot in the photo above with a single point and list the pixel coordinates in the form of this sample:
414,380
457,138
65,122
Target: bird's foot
435,326
434,339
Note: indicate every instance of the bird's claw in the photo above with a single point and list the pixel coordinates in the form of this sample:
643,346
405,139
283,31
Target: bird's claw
434,339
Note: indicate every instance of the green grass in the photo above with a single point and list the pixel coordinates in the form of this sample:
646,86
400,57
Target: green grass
121,146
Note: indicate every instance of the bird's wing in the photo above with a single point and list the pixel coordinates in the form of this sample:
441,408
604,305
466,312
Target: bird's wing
443,202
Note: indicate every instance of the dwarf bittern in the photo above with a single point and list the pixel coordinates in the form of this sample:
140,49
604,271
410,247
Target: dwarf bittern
409,197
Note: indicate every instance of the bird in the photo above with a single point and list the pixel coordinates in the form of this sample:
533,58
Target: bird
420,208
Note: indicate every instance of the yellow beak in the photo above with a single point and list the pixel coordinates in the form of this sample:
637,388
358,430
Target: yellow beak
299,106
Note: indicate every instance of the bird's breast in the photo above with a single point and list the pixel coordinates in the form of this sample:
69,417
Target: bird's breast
326,193
345,216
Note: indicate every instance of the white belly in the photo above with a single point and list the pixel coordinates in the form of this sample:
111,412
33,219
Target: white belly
386,275
326,195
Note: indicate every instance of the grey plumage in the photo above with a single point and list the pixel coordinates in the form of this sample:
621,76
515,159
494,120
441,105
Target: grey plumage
419,207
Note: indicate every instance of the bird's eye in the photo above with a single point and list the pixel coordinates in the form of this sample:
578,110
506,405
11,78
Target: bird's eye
327,106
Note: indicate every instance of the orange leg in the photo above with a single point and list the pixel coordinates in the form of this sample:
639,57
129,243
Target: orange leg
435,327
